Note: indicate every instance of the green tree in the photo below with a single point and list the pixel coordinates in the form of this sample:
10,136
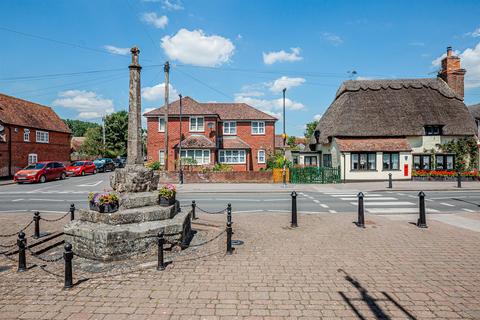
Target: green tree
93,145
116,134
276,161
310,129
78,127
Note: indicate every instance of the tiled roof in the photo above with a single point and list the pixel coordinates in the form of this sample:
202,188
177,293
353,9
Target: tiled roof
225,111
234,143
374,144
24,113
197,141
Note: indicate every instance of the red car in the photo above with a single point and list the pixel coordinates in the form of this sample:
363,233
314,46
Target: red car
80,168
41,172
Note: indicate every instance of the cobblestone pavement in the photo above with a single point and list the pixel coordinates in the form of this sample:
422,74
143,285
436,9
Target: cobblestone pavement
326,268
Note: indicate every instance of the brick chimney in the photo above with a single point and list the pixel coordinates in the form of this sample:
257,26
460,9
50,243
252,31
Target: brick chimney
452,73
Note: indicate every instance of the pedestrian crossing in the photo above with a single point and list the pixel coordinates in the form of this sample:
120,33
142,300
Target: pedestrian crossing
46,192
381,203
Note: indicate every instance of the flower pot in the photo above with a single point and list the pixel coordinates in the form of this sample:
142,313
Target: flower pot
104,208
166,202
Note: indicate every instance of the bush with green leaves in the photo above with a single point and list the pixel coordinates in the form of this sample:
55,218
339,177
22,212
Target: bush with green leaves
154,165
276,161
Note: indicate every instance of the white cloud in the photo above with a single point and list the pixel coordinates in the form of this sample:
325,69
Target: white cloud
317,117
157,92
154,20
285,82
196,48
332,38
282,56
270,106
117,50
470,60
475,33
89,104
172,5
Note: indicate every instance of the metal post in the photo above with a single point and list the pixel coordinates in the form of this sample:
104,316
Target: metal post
294,210
68,257
229,229
194,206
390,181
361,213
166,69
422,220
161,242
459,179
72,212
22,259
36,219
180,143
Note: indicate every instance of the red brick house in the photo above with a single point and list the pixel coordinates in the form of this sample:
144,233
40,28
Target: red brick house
231,133
30,132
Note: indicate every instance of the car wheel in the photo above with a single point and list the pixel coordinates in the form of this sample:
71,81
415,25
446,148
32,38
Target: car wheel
83,173
42,179
63,176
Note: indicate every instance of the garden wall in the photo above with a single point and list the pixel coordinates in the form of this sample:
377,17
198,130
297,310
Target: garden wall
218,177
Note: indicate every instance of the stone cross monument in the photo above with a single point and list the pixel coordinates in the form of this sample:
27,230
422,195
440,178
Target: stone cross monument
134,177
134,145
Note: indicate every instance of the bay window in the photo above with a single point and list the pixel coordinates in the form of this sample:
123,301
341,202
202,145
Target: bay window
364,161
230,128
391,161
200,156
258,127
197,124
231,156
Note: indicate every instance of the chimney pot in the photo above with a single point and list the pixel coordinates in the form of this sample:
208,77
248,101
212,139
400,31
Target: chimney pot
449,51
452,72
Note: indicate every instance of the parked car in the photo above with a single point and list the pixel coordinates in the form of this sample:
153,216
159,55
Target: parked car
80,168
119,162
104,164
41,172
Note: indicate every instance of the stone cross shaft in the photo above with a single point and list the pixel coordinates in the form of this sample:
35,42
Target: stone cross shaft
134,145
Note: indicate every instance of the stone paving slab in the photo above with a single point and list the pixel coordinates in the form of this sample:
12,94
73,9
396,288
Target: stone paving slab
325,269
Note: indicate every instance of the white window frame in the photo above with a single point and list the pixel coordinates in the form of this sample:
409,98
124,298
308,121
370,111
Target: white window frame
196,127
26,135
228,156
259,157
229,130
205,155
258,126
32,156
161,157
160,124
42,137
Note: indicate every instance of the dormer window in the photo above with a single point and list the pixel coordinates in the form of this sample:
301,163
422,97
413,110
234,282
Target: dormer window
433,130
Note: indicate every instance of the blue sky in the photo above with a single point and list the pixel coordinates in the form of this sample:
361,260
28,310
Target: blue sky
226,50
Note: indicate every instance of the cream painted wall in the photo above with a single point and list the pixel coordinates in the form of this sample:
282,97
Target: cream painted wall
379,173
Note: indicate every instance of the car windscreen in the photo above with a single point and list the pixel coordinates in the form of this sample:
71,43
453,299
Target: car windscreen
77,164
35,166
98,161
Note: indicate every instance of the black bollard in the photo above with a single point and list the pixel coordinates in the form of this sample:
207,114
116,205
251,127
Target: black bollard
294,210
161,242
22,259
361,213
36,220
422,220
72,212
459,179
229,229
68,257
390,181
194,206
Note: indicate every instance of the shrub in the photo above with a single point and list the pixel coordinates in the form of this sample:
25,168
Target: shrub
222,167
167,191
154,165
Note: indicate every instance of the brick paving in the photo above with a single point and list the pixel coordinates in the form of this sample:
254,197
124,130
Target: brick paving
326,268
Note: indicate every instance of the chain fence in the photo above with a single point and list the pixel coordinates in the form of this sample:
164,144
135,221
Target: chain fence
55,220
16,233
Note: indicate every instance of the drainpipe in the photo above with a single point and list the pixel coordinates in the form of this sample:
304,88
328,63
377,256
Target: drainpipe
344,168
9,151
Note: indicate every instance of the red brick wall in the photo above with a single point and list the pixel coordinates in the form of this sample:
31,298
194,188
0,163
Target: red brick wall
218,177
58,149
156,142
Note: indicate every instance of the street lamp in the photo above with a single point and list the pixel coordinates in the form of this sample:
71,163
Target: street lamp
180,143
284,136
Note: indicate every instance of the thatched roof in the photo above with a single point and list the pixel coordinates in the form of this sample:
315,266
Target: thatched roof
373,144
394,108
475,110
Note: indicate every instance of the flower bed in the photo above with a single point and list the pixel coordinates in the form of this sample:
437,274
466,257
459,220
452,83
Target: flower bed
446,175
103,202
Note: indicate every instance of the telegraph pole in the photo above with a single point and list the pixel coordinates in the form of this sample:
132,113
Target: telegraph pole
103,135
180,143
284,136
166,69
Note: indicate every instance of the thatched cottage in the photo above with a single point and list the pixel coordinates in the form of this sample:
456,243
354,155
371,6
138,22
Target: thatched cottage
377,127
